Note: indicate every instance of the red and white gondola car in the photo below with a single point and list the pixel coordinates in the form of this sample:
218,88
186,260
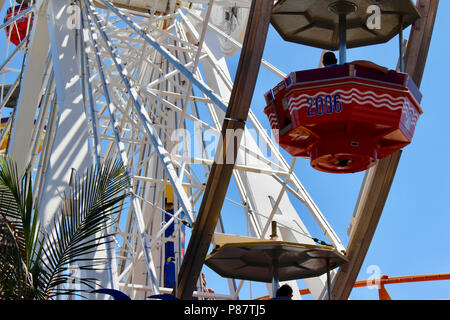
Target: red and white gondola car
346,117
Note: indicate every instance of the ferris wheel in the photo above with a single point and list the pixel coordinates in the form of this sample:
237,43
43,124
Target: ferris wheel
146,82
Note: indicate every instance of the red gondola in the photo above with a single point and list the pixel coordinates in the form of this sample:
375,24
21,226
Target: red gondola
344,117
17,31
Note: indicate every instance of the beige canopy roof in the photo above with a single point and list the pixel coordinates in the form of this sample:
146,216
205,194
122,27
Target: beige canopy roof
262,260
316,22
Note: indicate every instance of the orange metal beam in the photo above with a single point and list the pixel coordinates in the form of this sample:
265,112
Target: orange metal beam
383,280
430,277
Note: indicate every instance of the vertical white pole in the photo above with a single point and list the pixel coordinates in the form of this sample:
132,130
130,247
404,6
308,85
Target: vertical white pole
27,103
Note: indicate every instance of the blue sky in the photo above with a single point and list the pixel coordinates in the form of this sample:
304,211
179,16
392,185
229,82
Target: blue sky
413,235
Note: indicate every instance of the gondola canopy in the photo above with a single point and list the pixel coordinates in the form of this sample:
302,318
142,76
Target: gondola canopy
316,23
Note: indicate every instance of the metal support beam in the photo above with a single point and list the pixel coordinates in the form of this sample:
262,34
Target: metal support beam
219,178
28,100
378,180
70,147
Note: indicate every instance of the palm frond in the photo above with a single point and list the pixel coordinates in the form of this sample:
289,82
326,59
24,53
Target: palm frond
15,280
19,215
82,226
10,199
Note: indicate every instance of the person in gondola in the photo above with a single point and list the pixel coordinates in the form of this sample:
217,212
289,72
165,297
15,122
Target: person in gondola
284,293
329,59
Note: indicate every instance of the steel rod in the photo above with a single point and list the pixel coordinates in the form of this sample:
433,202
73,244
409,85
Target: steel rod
401,50
342,38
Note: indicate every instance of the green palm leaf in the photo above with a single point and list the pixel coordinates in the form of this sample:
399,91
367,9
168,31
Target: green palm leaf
20,219
15,280
34,265
81,227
